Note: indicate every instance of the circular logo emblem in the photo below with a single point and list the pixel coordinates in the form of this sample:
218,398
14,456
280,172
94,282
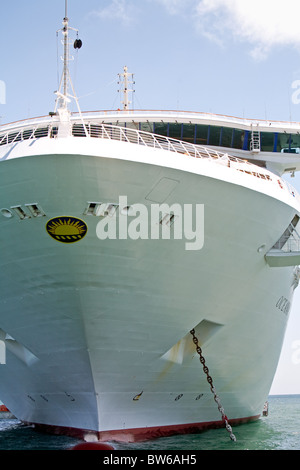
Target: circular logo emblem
66,229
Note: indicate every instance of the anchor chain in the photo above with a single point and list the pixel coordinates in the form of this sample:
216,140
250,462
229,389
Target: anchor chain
210,381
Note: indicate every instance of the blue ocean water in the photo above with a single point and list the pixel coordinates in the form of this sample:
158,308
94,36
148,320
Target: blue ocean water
280,430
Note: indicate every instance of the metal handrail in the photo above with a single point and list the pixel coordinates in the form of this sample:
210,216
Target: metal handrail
99,129
292,244
25,133
96,129
108,131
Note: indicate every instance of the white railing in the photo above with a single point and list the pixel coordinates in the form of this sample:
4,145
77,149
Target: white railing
292,244
96,129
148,139
120,133
26,132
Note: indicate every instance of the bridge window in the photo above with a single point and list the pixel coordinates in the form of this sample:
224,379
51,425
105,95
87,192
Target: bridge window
227,137
215,135
239,138
223,136
267,141
201,133
146,126
132,125
288,143
188,133
160,128
175,131
294,143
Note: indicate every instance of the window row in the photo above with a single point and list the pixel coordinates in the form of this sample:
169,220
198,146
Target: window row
220,136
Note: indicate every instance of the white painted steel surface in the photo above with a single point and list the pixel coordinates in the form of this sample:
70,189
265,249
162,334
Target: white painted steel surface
91,325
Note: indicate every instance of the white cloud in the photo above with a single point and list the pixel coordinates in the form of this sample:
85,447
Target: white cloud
174,7
119,10
263,24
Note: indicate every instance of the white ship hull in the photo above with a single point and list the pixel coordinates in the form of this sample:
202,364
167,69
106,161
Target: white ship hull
97,332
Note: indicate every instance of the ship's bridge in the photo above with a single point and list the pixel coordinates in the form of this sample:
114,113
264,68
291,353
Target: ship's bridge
274,145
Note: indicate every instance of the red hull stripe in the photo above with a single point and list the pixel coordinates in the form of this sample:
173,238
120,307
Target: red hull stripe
3,408
141,434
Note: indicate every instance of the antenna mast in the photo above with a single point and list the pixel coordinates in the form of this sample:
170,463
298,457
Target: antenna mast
63,96
125,81
66,52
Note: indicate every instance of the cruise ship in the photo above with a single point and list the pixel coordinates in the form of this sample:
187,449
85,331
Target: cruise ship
148,265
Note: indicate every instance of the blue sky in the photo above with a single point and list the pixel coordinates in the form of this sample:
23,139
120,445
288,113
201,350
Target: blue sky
234,57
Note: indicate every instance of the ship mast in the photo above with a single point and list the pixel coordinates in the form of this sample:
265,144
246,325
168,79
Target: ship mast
125,81
63,95
66,52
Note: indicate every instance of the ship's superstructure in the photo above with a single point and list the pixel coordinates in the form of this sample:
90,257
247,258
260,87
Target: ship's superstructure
133,244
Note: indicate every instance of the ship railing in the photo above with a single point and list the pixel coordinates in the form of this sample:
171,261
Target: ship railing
28,132
108,131
286,251
148,139
290,239
96,129
292,244
120,133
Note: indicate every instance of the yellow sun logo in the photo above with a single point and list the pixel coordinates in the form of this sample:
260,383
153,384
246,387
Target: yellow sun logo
66,229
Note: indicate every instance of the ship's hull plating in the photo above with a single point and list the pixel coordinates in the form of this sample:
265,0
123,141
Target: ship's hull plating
97,331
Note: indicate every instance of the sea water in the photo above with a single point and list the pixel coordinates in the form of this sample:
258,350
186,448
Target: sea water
280,430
